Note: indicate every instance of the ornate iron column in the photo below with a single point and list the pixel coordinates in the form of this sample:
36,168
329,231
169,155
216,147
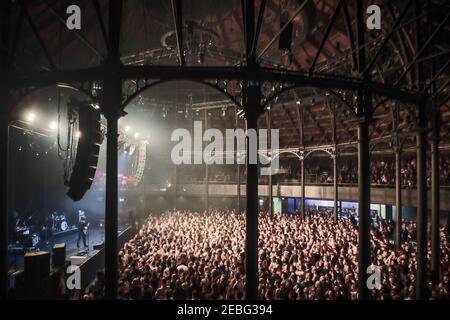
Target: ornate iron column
4,145
364,112
252,107
435,198
435,176
175,167
4,199
302,172
238,167
364,102
398,195
270,186
422,207
111,107
335,186
206,169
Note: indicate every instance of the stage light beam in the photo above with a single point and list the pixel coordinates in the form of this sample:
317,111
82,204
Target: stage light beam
52,126
30,117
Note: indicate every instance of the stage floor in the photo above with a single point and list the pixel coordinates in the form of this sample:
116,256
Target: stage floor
16,259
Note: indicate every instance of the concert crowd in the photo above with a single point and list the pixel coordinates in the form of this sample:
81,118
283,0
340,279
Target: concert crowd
188,255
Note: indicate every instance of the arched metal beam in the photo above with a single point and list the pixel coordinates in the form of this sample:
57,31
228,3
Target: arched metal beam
34,90
320,81
155,83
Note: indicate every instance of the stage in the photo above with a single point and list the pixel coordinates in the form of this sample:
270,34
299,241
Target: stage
89,260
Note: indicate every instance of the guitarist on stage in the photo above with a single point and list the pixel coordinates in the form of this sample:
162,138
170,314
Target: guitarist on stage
82,231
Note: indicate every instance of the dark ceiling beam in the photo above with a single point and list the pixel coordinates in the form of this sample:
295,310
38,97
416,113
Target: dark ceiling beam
114,25
277,35
442,87
437,75
262,8
201,73
44,48
351,37
402,37
75,32
325,37
388,36
423,48
248,14
98,12
178,21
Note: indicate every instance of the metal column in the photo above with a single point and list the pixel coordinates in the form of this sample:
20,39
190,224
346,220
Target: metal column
4,145
112,99
175,167
270,186
435,200
238,168
435,182
112,105
364,112
251,241
398,196
206,170
302,169
364,195
422,207
335,187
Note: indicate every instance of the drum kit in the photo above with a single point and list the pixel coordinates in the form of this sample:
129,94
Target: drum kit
27,235
59,222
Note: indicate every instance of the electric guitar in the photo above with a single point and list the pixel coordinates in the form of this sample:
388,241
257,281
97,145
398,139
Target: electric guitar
85,228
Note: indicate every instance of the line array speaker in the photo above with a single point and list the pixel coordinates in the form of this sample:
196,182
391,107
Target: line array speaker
88,149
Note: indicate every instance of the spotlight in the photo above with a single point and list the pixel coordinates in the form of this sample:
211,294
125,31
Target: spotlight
52,125
127,128
96,106
136,135
78,134
299,102
30,117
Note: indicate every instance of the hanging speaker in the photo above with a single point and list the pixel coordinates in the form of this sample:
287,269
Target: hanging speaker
90,137
285,39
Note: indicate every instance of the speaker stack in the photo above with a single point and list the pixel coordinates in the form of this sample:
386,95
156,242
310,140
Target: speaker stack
37,271
59,255
88,149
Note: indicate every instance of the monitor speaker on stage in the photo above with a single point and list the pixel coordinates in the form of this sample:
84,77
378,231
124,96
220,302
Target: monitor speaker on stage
59,255
98,245
37,271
